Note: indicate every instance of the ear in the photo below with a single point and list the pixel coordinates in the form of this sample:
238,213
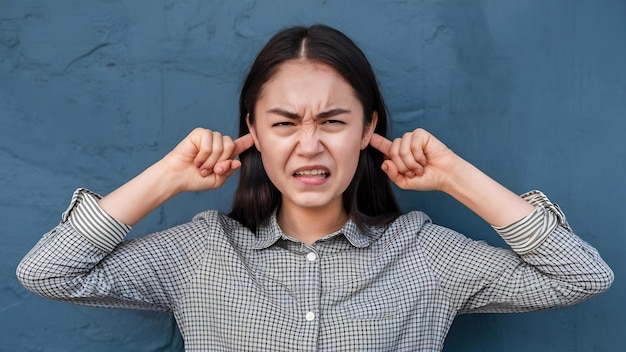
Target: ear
368,131
252,132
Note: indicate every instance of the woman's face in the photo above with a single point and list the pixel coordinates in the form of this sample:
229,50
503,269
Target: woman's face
309,129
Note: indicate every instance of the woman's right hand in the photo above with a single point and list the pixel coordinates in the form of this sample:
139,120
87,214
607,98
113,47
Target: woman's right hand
200,162
205,159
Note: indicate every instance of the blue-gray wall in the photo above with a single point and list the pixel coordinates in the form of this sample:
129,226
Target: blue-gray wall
91,92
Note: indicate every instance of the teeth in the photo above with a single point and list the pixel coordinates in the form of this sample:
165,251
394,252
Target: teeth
311,173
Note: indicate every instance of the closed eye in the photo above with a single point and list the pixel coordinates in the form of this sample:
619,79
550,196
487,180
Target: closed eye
329,122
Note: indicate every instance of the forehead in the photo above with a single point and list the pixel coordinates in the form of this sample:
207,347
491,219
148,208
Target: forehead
306,78
299,67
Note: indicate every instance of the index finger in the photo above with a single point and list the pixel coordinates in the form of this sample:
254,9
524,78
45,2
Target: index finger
242,144
380,143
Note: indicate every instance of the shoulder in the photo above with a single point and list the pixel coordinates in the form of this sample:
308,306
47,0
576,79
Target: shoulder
410,223
402,231
217,219
204,228
220,226
417,228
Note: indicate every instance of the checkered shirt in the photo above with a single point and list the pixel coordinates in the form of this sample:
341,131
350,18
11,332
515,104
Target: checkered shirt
231,290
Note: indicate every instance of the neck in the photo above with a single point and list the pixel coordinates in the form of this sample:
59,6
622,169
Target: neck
311,224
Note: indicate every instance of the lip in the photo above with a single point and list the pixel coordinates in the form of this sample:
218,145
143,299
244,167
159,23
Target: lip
312,180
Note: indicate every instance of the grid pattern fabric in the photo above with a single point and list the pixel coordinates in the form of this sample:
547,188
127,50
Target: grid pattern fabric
398,288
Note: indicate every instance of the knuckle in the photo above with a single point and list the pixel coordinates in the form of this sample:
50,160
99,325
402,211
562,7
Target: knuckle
405,153
228,143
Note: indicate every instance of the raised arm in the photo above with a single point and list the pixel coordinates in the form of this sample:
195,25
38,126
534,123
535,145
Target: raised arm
85,260
419,161
551,266
202,161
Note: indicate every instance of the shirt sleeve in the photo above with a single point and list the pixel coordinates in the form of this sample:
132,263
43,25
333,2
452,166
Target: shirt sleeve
92,222
549,265
529,232
85,260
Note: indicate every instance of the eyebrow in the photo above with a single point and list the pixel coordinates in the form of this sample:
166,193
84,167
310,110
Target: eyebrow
321,115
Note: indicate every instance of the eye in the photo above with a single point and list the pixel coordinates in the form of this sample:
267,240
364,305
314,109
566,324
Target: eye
283,124
331,122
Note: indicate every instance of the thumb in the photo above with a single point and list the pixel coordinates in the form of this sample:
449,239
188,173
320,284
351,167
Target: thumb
226,167
390,169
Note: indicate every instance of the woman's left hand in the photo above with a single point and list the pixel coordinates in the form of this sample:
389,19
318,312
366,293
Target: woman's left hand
417,161
420,162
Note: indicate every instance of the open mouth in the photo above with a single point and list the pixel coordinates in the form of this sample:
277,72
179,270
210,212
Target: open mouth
316,173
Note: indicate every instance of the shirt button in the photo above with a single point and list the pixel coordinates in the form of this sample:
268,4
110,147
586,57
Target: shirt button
310,316
311,257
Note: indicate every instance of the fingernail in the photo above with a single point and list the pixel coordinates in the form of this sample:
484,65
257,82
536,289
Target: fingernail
410,174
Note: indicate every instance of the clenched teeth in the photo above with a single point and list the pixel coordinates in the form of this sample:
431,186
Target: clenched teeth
312,173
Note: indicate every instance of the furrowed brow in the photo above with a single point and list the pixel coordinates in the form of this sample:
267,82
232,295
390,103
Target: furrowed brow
284,113
332,113
321,115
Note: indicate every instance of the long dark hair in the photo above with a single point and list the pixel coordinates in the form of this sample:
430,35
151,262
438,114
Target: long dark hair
369,199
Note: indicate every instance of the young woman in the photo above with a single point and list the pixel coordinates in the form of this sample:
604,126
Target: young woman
315,254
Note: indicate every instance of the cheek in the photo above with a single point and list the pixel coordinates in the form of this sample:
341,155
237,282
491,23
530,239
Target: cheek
274,154
272,146
346,152
351,159
348,145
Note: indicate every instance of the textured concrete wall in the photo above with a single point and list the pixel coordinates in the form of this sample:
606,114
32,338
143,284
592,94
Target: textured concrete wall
91,92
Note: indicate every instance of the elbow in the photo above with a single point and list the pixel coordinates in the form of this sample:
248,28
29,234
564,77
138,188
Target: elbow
33,278
604,280
593,284
27,276
600,278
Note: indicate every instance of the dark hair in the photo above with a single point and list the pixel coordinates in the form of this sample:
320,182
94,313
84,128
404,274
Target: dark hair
369,199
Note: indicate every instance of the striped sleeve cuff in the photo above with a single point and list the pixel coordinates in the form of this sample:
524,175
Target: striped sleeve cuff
529,232
92,222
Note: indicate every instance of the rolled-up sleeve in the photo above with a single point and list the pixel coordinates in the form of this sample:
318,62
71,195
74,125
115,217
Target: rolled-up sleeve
86,260
529,232
549,265
92,222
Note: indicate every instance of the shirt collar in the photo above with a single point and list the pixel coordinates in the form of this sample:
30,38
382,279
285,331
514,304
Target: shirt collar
268,233
271,232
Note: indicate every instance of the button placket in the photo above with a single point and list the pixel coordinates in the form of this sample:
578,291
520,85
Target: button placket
314,282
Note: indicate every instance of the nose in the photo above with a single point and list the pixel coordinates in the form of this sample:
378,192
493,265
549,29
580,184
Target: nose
309,142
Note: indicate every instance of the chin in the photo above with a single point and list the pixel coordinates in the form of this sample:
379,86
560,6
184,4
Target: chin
312,202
